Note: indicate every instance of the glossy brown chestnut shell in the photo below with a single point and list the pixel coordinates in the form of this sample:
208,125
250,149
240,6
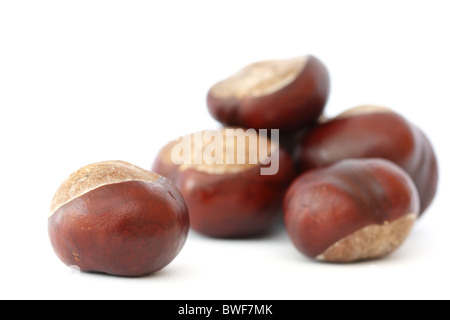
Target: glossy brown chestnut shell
353,210
115,218
284,94
374,132
229,200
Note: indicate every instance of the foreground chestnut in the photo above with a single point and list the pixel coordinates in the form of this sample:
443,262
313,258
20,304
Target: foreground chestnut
353,210
113,217
284,94
227,198
374,132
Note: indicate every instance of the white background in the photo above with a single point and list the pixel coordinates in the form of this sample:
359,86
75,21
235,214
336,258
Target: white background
87,81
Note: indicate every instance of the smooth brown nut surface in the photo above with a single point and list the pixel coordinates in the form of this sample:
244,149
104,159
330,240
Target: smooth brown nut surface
284,94
374,132
353,210
113,217
229,200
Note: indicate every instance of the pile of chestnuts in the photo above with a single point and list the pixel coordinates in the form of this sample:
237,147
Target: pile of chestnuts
349,188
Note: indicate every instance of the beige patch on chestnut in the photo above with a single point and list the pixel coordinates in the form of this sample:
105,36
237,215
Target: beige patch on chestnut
260,78
97,175
364,109
240,144
370,242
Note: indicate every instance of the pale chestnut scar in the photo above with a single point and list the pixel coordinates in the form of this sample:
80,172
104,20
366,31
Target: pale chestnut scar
260,78
230,145
96,175
364,109
372,241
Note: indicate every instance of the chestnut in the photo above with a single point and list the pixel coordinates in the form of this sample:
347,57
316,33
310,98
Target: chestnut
355,209
116,218
286,94
373,132
229,199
